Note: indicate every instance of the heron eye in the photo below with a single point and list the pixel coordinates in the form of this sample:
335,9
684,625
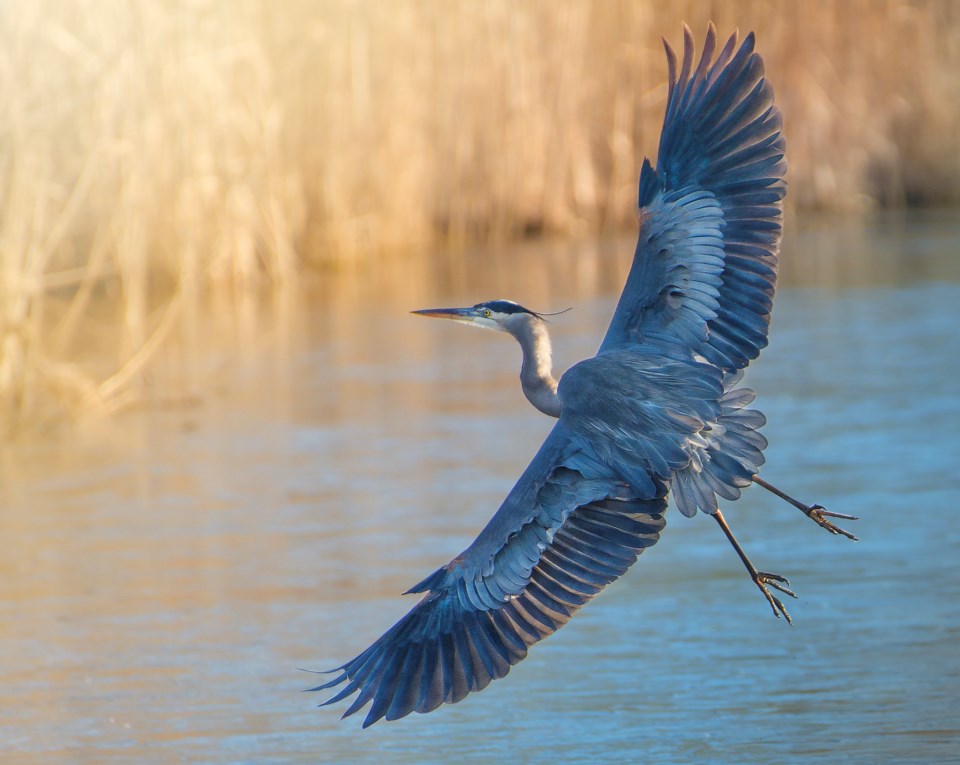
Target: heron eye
486,313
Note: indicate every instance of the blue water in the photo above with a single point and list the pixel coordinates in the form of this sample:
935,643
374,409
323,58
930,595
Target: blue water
166,572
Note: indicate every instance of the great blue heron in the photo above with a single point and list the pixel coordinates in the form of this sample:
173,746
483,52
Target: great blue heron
659,409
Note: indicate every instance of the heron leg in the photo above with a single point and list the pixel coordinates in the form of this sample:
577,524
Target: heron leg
760,578
817,513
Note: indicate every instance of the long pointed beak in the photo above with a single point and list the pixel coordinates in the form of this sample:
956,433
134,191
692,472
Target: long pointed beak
457,314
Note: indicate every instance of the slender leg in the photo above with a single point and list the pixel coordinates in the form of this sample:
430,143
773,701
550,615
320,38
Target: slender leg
816,513
760,578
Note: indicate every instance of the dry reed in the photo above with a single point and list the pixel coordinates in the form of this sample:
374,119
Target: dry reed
151,149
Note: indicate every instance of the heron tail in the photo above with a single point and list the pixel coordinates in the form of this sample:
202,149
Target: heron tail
732,456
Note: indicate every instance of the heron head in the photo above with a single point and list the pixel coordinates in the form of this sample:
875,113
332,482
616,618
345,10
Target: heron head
503,315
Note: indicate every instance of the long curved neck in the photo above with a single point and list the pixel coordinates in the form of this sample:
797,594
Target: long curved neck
536,377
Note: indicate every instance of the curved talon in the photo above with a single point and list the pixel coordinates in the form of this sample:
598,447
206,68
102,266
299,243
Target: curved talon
819,514
767,577
824,511
777,582
763,579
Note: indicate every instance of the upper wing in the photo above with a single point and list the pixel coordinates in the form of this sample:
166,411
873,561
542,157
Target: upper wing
705,266
567,529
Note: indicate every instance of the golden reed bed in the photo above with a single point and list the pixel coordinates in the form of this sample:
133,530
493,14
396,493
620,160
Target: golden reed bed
151,148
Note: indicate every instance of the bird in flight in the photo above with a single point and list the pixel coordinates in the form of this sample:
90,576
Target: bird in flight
658,413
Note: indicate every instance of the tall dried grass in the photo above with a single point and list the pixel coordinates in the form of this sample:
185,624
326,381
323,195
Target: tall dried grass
150,149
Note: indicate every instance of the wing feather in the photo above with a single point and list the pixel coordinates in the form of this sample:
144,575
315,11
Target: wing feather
463,634
705,266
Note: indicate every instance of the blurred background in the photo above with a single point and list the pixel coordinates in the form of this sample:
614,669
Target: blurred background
226,447
154,153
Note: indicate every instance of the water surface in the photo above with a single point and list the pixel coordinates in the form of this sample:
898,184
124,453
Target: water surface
165,572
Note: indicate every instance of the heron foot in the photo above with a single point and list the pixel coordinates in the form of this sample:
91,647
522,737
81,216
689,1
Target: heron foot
819,514
763,579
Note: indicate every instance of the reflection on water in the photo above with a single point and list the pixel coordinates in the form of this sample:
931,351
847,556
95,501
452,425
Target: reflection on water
164,573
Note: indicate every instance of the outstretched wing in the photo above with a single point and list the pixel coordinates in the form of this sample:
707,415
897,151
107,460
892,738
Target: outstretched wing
705,266
567,529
